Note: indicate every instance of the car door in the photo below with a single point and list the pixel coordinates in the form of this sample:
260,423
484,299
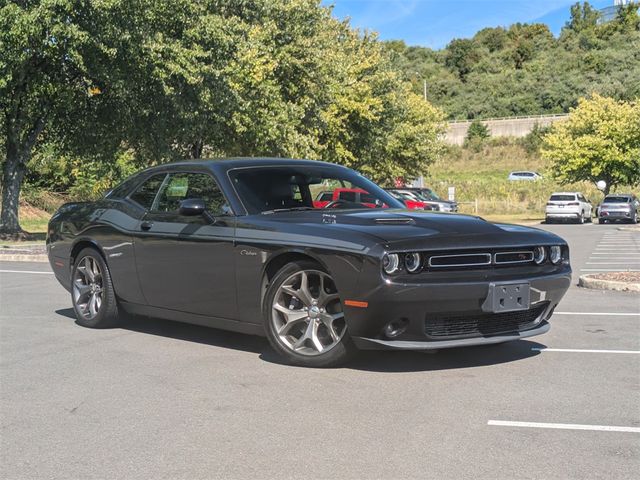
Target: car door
186,263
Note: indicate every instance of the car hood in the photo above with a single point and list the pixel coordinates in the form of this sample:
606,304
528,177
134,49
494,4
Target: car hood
409,229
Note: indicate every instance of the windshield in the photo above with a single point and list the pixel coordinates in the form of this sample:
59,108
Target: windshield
616,200
430,194
285,188
562,198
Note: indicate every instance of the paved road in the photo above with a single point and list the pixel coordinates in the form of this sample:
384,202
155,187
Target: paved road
164,400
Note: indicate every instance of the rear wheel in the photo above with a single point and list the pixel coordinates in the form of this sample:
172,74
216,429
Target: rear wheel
92,294
581,217
304,321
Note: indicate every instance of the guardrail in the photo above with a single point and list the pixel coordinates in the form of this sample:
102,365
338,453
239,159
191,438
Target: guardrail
524,117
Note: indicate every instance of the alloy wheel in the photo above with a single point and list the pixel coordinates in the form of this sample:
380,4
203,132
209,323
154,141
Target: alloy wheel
307,313
87,287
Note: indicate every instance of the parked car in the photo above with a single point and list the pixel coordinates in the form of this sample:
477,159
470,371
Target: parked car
568,206
345,195
410,201
238,244
619,207
528,176
436,202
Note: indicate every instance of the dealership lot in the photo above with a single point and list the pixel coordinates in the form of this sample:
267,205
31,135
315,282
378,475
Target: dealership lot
163,400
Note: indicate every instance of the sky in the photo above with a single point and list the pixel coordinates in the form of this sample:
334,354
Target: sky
434,23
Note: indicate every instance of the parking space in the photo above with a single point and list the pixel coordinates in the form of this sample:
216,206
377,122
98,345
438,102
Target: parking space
156,399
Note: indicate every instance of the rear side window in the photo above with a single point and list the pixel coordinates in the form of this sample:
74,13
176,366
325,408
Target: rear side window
145,194
562,198
348,196
123,189
182,186
325,197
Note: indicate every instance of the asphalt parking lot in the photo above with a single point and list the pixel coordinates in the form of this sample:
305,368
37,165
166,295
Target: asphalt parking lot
163,400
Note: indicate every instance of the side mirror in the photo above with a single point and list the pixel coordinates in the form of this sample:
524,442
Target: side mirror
192,207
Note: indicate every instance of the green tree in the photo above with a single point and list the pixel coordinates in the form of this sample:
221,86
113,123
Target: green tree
461,55
97,88
583,17
599,141
477,131
66,72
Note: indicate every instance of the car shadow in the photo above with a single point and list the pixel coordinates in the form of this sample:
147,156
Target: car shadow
383,361
188,333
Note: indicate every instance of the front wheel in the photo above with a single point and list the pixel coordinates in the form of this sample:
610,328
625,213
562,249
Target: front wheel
304,321
92,294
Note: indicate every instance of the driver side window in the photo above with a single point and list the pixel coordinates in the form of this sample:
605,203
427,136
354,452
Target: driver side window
183,186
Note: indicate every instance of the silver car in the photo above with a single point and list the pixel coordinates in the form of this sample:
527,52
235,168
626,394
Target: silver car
619,206
526,176
568,206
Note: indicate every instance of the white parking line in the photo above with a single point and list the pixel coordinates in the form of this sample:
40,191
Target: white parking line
579,350
26,271
607,270
616,314
564,426
613,263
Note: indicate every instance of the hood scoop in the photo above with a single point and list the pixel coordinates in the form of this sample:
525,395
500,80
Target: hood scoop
395,221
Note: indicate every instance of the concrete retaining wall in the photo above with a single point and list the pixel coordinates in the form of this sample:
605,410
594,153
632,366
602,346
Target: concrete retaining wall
501,127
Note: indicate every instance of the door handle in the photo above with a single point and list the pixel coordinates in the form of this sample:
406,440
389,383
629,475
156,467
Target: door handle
146,225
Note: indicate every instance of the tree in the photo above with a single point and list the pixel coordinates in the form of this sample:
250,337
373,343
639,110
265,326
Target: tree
477,131
583,17
64,68
461,55
120,83
599,141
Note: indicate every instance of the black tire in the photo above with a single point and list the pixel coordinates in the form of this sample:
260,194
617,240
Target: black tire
337,355
635,218
602,221
581,218
108,314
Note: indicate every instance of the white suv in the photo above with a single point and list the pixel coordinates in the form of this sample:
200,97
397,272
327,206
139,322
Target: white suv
568,206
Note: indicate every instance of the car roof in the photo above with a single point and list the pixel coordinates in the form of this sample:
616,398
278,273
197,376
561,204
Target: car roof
226,164
566,193
619,195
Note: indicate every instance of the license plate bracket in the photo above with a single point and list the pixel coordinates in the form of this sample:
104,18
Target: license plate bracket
507,297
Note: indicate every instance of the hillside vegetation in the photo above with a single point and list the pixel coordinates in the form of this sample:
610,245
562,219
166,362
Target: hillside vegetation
525,70
479,173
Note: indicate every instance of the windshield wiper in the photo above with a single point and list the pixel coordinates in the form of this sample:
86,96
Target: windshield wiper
290,209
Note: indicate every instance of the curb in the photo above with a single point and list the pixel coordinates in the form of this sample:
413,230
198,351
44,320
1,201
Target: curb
587,281
23,258
629,229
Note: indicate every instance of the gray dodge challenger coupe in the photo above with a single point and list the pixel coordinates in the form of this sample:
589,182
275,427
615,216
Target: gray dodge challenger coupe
240,244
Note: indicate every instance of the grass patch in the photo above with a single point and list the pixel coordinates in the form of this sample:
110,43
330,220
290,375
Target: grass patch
480,174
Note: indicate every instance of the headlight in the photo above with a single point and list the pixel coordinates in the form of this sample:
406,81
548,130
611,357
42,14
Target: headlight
412,262
555,254
391,263
539,255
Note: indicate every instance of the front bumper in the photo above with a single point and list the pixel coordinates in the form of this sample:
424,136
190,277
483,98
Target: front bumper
379,344
422,305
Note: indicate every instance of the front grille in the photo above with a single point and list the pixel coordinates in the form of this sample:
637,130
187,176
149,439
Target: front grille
482,324
465,259
460,260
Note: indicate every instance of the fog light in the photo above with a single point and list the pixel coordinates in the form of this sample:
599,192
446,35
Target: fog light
555,254
539,255
412,262
391,262
395,328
